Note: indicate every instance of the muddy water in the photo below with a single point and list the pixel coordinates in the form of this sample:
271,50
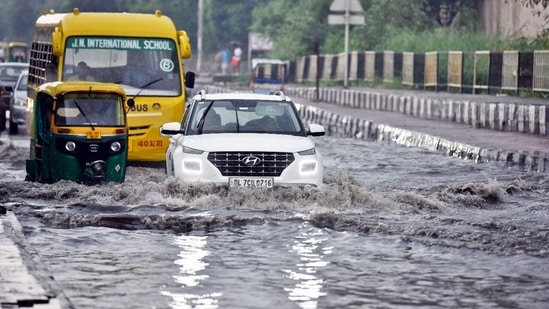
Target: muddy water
390,227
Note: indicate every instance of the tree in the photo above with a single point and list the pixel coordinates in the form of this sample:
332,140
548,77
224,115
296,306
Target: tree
538,7
227,22
18,19
443,11
295,26
533,3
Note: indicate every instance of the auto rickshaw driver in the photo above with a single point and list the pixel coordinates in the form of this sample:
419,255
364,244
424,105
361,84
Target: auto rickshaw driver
93,111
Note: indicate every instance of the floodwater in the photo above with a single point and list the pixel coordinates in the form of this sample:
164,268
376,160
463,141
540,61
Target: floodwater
391,227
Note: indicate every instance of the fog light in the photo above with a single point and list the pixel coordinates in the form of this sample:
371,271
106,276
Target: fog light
70,146
191,165
308,167
115,146
98,166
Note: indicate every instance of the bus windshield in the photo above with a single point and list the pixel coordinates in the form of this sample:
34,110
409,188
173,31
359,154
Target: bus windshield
148,66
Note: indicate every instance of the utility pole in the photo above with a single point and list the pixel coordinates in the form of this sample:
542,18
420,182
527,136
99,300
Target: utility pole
347,19
199,36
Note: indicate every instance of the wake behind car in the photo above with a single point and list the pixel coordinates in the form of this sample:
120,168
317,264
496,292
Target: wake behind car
243,140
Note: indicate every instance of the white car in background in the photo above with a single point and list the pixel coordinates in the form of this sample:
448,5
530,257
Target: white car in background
18,103
9,73
243,140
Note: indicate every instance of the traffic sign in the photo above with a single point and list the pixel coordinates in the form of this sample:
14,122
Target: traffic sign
341,6
347,19
341,19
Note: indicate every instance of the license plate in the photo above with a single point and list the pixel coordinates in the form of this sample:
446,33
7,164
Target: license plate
93,135
251,182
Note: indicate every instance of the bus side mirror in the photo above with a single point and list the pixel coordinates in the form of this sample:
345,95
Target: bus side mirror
184,44
189,79
130,103
57,41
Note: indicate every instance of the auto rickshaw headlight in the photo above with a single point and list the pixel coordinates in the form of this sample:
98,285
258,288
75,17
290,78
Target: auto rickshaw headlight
70,146
115,146
98,166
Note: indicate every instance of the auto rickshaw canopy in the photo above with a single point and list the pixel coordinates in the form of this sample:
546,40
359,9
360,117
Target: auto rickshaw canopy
55,89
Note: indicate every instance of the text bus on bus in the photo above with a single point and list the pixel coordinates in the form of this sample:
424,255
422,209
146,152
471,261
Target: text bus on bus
141,52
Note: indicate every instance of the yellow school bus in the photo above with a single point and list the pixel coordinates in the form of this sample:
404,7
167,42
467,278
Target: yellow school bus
140,52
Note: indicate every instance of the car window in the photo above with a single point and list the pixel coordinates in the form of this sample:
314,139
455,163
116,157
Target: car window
10,73
22,86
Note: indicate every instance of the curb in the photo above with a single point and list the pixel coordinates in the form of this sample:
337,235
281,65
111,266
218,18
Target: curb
24,279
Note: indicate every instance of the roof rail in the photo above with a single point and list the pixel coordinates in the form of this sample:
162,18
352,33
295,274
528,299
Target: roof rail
280,93
202,94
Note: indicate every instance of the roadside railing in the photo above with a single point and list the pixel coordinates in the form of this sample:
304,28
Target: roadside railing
453,71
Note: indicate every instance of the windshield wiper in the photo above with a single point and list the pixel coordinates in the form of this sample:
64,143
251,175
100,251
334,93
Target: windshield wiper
150,83
147,85
200,124
83,114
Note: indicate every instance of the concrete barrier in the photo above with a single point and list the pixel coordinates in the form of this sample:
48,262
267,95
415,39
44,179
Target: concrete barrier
504,113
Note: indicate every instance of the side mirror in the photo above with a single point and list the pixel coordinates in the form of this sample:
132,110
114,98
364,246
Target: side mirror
130,102
316,130
184,44
170,128
57,42
189,79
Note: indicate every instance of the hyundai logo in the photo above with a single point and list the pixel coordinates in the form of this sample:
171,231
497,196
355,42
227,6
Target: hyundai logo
251,160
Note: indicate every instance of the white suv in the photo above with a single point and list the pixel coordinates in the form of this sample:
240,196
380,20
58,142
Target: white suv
243,139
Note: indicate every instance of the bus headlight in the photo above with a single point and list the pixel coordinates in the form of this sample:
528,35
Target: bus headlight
115,146
70,146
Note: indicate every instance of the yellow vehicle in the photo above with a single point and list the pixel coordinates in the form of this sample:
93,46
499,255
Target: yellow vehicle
79,133
141,52
18,52
14,52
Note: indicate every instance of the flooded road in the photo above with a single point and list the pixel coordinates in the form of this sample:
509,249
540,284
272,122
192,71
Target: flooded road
390,227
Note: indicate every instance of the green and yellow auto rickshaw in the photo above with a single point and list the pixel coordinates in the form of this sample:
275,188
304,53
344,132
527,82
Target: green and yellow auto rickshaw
78,132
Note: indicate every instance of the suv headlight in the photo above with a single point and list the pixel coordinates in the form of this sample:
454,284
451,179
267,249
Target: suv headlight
308,152
190,150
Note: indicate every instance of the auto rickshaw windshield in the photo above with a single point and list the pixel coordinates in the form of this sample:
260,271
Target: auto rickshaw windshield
84,109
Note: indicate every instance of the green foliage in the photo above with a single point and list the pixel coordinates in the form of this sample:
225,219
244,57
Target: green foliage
440,39
227,21
295,26
17,17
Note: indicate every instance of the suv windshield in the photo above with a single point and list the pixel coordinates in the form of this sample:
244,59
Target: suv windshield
244,116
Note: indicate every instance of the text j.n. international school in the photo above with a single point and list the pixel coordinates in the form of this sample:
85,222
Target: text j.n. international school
118,43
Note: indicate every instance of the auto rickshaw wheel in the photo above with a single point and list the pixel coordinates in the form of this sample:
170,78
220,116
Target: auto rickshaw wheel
14,128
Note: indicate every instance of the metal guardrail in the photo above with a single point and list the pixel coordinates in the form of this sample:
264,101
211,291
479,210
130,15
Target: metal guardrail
474,72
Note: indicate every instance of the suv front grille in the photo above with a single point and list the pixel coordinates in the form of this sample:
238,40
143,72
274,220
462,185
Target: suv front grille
232,163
